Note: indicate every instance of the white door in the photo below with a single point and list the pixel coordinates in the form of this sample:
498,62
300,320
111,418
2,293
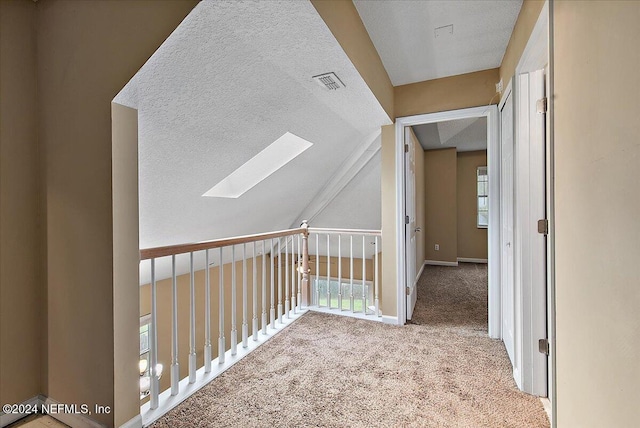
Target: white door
506,220
410,221
530,253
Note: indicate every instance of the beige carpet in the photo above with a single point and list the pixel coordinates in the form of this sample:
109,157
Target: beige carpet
332,371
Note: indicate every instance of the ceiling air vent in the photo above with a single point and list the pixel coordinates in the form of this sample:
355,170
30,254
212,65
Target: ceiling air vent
329,81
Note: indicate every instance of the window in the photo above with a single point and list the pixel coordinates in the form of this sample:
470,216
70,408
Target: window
321,287
483,197
145,323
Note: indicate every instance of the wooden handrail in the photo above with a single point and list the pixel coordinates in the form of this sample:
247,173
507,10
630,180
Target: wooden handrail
345,231
170,250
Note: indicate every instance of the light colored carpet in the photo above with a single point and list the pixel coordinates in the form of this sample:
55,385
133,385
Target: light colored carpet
332,371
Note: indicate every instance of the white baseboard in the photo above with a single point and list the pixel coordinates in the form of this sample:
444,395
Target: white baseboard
9,418
167,401
389,320
439,263
135,422
419,274
472,260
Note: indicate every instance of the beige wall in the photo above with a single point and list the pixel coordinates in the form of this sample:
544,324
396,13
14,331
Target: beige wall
597,226
87,51
389,286
472,241
420,203
527,18
342,18
22,294
449,93
440,205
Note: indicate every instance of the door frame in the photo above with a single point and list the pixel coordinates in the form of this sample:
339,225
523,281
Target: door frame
537,55
508,94
493,166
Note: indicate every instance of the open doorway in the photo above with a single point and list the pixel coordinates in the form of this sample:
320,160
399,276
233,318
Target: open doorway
441,134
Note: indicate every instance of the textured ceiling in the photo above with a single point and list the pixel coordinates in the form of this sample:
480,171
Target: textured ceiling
358,205
464,134
403,33
229,81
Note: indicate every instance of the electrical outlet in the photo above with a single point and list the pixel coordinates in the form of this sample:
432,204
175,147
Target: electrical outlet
499,86
437,247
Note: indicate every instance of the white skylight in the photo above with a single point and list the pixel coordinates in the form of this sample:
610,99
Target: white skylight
272,158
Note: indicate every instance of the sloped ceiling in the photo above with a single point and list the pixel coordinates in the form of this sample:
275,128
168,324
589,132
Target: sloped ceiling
358,205
229,81
404,34
464,134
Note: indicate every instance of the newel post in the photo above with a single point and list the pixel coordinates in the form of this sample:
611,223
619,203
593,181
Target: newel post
305,265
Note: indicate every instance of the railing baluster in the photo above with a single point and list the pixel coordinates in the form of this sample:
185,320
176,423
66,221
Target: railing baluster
339,272
273,268
375,275
364,273
254,320
175,369
299,274
328,272
293,276
192,324
286,273
317,270
264,288
351,273
245,325
207,314
306,291
280,280
234,306
221,339
153,340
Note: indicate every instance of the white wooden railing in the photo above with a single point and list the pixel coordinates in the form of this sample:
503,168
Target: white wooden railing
282,244
340,243
282,287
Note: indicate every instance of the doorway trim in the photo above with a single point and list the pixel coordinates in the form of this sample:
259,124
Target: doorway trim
493,164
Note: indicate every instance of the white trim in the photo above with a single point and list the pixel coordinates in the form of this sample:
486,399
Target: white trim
535,321
71,419
493,162
386,319
547,406
439,263
472,260
551,264
419,273
135,422
9,418
167,401
345,313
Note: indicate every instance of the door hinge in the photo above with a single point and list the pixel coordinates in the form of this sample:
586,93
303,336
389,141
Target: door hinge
406,148
541,105
406,219
543,226
543,346
408,290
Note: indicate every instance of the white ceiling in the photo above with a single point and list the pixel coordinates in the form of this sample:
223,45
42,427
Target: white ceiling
359,204
403,32
229,81
464,134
